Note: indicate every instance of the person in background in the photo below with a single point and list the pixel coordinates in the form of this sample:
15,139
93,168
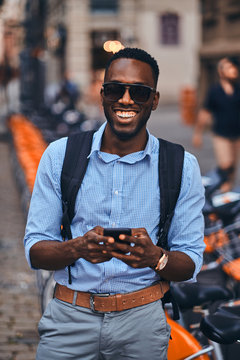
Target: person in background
91,102
221,112
112,309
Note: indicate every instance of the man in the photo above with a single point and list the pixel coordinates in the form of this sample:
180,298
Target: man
120,189
222,105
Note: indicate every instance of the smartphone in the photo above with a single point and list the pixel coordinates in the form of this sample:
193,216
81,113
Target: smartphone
115,232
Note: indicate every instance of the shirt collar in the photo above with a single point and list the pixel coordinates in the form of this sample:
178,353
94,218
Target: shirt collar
97,140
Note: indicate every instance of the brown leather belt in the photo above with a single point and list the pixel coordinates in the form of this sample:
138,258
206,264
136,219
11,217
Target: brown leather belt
106,302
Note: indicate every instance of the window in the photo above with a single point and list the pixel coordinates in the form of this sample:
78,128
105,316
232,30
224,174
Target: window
234,3
99,55
233,11
209,7
169,24
104,5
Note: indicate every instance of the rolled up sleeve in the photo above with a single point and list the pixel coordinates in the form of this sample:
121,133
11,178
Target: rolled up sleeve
45,210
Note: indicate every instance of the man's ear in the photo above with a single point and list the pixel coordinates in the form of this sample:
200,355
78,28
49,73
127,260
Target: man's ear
155,100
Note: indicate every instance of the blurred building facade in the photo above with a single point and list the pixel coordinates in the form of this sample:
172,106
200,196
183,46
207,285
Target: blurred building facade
220,37
76,31
65,38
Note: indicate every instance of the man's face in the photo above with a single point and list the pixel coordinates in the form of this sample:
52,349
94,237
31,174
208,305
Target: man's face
125,117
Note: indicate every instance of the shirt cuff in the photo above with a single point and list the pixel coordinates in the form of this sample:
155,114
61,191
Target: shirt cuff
28,244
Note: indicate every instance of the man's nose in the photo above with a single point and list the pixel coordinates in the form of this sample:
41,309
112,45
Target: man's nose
126,98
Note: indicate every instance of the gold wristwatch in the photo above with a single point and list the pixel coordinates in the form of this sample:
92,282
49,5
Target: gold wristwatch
162,262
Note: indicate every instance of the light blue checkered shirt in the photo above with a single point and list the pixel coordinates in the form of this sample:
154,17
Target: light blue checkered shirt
115,192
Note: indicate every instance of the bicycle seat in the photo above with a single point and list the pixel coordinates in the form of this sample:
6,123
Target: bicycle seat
189,295
222,327
233,310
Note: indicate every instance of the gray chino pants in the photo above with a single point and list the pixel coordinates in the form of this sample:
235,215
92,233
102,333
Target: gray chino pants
73,332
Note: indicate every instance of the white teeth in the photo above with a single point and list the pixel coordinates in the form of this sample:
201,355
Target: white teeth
125,114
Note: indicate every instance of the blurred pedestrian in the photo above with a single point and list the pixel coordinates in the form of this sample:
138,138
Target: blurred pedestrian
9,87
107,311
221,112
91,101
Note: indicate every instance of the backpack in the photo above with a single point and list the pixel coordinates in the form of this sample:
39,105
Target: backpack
171,157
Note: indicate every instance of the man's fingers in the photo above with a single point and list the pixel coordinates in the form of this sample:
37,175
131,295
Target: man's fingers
139,232
110,240
98,230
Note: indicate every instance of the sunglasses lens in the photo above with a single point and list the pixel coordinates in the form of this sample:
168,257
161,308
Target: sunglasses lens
113,92
140,93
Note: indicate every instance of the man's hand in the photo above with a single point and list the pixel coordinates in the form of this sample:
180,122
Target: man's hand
92,246
203,121
139,253
55,255
197,140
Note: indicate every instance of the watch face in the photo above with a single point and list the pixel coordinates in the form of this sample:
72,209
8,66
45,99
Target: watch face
163,262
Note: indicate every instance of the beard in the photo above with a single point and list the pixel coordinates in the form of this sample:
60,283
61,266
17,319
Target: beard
125,136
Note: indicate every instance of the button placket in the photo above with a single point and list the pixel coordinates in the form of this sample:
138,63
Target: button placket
116,204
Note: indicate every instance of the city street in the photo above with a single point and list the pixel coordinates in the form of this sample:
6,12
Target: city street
52,60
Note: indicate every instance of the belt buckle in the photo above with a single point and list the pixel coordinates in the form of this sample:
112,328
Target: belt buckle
92,303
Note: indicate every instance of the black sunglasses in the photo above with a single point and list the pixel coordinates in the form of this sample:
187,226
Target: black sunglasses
115,91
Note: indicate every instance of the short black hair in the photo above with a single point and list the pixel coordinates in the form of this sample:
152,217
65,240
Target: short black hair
137,54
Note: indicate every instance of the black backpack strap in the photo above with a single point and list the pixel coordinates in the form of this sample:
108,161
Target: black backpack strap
73,170
170,165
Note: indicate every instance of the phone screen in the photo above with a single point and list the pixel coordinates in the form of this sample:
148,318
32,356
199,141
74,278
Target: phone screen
115,232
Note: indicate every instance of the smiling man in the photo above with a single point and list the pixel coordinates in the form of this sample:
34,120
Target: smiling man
112,308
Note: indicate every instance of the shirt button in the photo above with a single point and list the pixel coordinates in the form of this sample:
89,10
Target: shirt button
116,192
114,224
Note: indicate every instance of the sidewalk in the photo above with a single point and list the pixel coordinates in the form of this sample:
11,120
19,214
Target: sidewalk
19,309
